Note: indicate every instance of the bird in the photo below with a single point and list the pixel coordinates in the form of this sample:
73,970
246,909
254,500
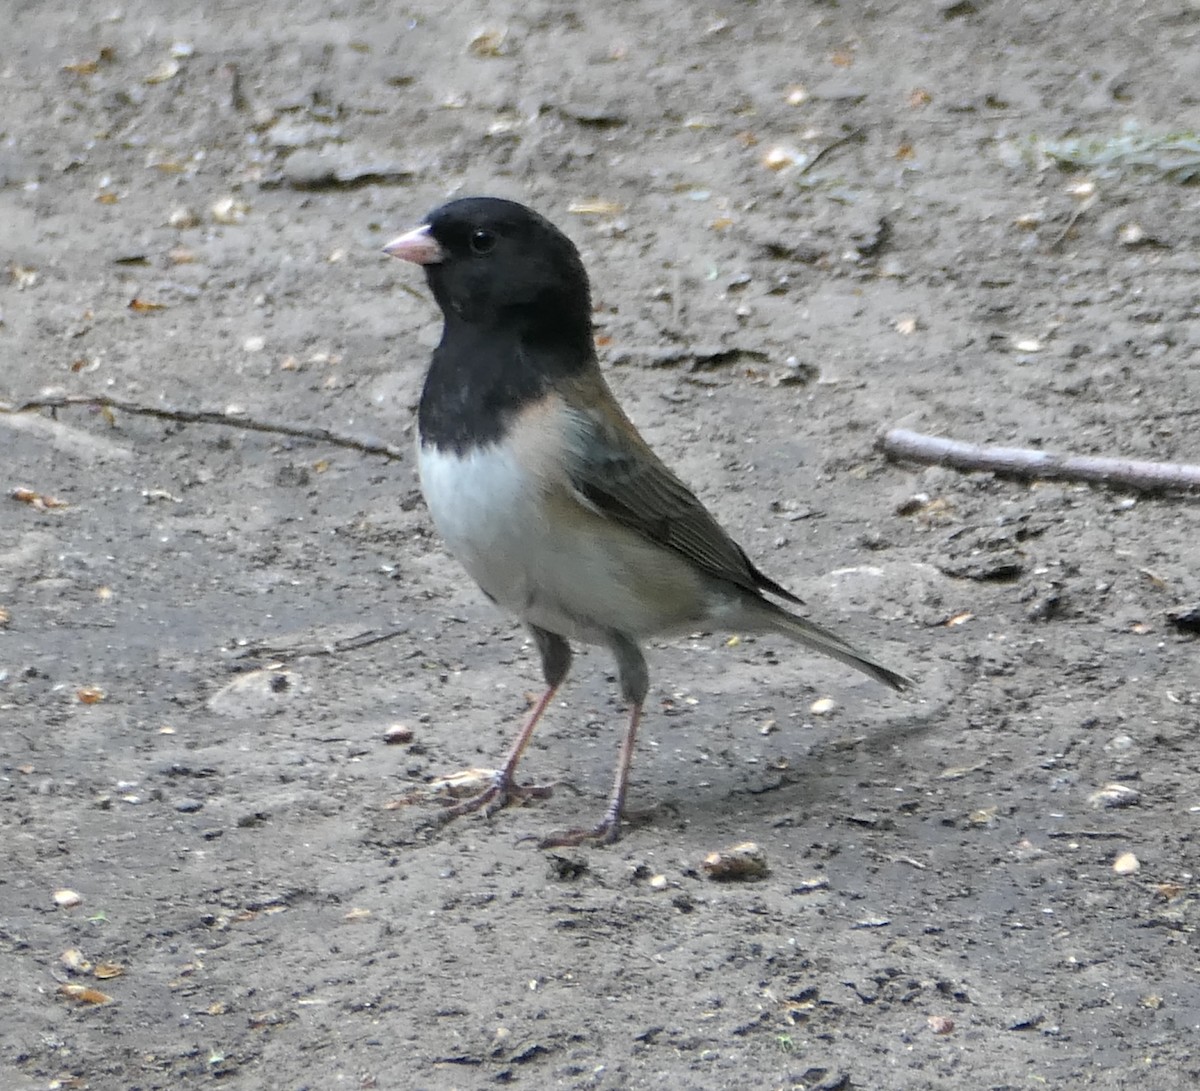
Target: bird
544,490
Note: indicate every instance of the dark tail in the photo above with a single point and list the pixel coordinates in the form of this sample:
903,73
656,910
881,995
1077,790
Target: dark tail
822,640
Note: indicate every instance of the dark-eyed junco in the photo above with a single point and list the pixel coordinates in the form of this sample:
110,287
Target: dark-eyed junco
545,491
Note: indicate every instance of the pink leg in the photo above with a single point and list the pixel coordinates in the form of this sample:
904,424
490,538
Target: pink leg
503,790
608,829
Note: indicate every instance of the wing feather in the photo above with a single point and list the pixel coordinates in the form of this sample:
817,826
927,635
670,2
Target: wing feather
620,476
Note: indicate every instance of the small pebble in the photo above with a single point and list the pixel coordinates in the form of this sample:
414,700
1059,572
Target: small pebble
189,806
183,218
741,863
1126,864
229,210
398,735
1115,795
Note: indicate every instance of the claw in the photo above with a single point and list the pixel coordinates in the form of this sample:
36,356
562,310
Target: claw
605,832
499,794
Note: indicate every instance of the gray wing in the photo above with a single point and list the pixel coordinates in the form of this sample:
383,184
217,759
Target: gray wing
616,471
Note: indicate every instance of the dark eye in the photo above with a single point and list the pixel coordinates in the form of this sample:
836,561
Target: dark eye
482,241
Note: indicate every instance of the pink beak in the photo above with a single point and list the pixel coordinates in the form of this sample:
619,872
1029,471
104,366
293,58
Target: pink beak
417,246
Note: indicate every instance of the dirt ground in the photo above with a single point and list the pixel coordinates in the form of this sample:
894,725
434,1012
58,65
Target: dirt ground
203,651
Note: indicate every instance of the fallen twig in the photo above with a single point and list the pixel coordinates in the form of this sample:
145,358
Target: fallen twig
841,142
211,416
300,646
900,443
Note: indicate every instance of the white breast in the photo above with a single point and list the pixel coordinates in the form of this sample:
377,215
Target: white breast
546,556
485,517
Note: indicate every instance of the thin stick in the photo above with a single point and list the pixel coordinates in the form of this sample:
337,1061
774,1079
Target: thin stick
899,443
841,142
211,416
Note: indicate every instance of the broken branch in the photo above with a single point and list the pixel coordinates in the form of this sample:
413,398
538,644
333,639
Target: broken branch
1024,462
210,416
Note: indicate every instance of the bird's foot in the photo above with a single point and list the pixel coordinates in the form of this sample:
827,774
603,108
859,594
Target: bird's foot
501,792
605,832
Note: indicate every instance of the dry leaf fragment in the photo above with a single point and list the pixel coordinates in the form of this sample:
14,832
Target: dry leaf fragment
960,618
906,325
940,1024
145,306
744,862
5,617
919,97
22,276
463,783
168,70
595,206
83,994
106,971
957,771
75,961
796,94
87,68
89,695
357,914
983,817
36,499
489,43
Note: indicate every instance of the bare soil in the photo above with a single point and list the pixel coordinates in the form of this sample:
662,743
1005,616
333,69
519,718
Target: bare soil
942,909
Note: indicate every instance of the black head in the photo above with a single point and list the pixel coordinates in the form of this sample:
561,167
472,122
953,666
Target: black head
493,263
